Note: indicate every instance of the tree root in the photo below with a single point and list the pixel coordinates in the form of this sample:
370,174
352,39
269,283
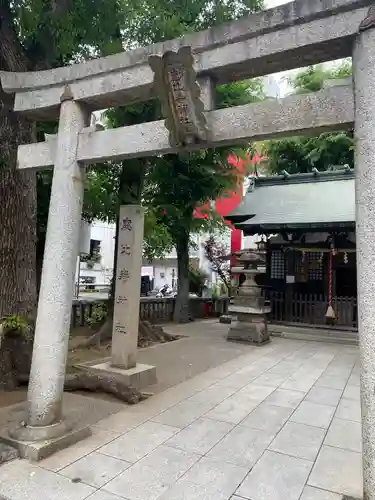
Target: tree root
151,334
147,334
110,384
103,334
94,382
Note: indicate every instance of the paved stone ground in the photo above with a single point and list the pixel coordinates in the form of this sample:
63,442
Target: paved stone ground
281,422
203,347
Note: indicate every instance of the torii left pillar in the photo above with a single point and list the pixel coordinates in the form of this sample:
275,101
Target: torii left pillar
46,385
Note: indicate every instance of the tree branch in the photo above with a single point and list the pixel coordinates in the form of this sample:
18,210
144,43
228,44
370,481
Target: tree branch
216,254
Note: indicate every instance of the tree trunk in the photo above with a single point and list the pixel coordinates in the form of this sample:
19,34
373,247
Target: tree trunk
181,310
18,292
18,223
17,209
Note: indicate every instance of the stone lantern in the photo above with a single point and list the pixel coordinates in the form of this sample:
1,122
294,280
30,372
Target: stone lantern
249,305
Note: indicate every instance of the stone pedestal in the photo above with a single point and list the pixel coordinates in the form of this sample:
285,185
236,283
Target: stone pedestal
251,325
364,88
248,307
139,377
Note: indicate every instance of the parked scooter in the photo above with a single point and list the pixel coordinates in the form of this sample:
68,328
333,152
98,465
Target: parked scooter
166,291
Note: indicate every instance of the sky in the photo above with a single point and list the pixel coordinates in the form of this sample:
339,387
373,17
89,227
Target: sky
274,3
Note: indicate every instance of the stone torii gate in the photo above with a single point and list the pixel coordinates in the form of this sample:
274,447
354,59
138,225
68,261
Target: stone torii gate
293,35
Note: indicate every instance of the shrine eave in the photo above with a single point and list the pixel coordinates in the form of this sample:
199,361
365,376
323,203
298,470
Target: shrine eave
300,202
267,229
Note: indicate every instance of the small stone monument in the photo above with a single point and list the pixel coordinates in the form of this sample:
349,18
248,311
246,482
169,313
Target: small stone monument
123,362
249,306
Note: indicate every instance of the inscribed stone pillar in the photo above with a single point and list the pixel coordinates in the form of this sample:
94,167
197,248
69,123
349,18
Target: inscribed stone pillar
59,265
127,287
364,88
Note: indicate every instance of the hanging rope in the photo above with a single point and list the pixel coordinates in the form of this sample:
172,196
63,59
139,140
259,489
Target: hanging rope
330,314
330,280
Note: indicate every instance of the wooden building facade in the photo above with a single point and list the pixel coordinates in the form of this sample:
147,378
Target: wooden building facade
307,224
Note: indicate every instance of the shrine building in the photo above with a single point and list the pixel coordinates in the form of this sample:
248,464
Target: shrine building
307,227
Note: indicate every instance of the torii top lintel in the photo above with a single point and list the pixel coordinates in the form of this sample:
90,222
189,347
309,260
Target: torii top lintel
307,31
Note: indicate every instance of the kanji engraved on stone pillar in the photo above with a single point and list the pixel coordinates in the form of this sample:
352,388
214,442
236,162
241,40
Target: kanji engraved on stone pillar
127,287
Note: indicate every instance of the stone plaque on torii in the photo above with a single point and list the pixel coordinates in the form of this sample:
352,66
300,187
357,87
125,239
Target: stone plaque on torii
176,85
294,35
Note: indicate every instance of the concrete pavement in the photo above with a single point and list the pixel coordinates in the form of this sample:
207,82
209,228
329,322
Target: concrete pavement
278,422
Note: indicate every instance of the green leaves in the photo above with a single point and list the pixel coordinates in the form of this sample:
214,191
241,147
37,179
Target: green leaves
101,199
57,33
238,93
157,239
154,21
302,154
312,78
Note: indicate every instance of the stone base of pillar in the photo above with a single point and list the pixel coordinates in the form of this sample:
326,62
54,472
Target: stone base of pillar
139,377
225,319
32,446
250,327
40,433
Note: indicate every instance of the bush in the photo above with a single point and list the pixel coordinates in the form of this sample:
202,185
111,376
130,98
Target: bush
98,314
14,325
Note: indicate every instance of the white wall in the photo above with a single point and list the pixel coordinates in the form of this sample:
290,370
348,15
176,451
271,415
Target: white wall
163,272
105,233
271,87
103,271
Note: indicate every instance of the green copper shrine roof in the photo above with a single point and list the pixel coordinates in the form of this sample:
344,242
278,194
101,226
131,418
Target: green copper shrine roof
300,201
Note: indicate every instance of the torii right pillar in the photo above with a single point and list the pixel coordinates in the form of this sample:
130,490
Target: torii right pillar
364,89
